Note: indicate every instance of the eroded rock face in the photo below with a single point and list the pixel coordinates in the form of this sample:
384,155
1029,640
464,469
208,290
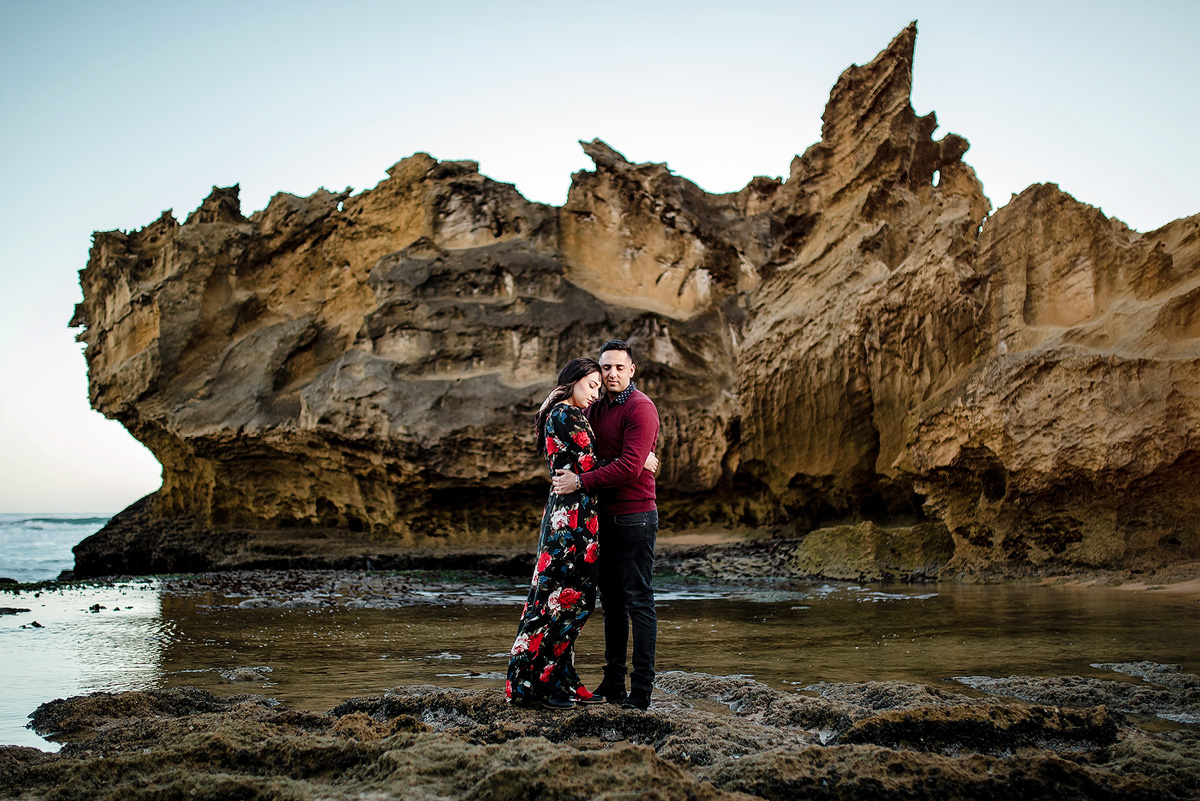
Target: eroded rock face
1072,437
341,375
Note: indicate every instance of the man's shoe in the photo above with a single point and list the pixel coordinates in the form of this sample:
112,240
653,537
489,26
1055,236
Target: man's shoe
638,699
608,694
557,701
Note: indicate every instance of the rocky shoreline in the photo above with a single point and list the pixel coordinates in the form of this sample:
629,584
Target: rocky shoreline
1131,732
716,555
705,737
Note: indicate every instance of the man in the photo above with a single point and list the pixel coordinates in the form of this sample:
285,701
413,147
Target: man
625,422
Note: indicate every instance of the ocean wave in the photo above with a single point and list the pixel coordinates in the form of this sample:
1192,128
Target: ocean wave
62,521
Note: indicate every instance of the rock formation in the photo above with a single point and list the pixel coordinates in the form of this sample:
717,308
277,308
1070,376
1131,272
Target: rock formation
861,343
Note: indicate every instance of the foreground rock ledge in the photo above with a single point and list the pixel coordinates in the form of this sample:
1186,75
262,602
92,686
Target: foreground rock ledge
858,347
855,741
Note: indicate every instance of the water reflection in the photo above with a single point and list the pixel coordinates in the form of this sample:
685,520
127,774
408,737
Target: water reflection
787,637
74,649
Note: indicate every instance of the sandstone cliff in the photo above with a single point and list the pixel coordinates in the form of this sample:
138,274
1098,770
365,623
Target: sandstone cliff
345,375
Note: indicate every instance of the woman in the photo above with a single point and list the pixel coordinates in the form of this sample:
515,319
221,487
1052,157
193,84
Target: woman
563,592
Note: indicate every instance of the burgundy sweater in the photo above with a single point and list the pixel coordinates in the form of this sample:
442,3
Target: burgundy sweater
625,434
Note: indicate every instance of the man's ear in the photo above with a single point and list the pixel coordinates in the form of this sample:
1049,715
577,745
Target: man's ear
632,369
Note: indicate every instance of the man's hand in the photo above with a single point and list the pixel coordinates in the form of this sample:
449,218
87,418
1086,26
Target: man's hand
564,482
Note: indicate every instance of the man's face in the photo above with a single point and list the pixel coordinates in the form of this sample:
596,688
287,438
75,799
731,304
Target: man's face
616,369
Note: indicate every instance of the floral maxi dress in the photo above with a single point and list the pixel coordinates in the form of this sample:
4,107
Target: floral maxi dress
563,592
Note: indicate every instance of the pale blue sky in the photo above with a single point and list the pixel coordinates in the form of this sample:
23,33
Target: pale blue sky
112,112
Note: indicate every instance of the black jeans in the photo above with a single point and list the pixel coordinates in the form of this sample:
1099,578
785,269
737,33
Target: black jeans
626,563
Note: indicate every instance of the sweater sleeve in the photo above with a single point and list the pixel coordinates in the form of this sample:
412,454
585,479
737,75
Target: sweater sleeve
641,432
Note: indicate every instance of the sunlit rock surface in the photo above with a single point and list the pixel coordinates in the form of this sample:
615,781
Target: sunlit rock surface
343,377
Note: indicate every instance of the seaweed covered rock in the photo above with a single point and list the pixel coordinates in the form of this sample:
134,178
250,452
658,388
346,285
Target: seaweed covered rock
890,741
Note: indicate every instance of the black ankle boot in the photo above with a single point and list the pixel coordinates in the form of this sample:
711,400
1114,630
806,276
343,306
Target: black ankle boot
638,699
610,693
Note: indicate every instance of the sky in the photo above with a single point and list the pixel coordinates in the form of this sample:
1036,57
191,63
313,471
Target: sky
112,112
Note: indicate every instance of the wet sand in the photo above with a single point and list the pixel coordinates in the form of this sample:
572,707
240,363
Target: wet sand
1182,580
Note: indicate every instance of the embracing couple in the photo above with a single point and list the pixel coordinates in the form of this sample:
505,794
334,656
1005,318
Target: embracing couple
597,432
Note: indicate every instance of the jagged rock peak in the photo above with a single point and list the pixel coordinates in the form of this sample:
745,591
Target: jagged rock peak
223,205
864,92
604,155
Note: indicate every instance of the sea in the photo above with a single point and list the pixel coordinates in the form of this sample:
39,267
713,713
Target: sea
37,546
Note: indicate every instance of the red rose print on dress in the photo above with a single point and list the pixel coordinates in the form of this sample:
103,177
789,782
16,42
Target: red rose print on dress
508,689
573,518
593,524
586,463
551,446
543,561
561,648
546,673
592,553
581,439
567,597
535,642
556,600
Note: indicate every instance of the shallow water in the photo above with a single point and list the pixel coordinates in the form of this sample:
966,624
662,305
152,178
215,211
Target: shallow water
788,637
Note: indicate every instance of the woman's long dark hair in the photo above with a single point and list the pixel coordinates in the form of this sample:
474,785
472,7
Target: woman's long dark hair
575,370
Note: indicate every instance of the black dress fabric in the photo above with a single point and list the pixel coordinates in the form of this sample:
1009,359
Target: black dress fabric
562,594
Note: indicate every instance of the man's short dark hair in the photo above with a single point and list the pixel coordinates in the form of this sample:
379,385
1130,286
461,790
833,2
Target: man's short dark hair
618,344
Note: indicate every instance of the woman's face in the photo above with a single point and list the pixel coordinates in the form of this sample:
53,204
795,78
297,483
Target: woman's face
587,389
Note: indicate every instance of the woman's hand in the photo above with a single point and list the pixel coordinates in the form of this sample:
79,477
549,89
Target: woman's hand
564,482
651,463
